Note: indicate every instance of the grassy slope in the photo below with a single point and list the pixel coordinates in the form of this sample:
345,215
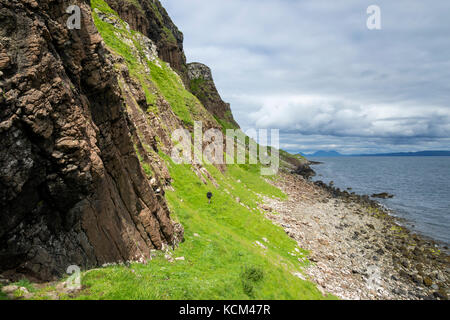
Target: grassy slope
161,80
24,283
223,261
220,261
2,295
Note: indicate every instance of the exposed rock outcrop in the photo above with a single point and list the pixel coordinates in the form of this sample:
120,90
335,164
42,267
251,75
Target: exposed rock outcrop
151,19
383,195
151,112
72,190
202,86
304,170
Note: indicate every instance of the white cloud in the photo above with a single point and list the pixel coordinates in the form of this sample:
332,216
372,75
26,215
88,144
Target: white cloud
313,69
312,115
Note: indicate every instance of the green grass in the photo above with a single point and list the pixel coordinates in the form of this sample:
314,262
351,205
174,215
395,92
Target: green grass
147,168
148,87
196,85
168,36
156,12
108,33
162,79
3,296
182,102
225,124
23,283
102,6
136,4
223,261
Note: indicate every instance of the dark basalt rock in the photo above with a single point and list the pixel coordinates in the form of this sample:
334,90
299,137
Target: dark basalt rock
72,191
203,87
305,171
383,195
311,163
151,19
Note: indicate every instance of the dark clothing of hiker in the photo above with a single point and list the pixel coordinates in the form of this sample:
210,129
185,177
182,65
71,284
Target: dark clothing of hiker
209,196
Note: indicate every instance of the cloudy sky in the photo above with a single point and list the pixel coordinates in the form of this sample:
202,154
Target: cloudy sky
312,69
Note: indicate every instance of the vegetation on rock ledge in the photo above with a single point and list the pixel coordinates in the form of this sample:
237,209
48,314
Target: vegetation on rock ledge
231,250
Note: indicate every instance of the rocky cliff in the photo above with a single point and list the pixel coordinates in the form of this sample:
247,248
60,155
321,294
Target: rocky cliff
151,19
201,84
85,129
72,189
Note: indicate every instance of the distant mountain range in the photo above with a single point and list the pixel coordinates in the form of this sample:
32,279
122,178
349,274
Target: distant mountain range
332,153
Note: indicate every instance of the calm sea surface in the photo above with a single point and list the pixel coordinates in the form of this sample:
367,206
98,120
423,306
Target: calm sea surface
421,186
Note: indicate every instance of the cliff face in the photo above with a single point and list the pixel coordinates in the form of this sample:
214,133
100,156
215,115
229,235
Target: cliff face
72,190
202,85
151,19
86,120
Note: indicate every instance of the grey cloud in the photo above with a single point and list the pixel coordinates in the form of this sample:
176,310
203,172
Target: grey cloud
380,86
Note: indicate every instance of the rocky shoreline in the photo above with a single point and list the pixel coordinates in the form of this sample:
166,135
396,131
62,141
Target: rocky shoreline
359,250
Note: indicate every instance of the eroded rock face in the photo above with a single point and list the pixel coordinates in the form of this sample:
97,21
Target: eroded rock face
72,191
202,86
304,170
151,19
